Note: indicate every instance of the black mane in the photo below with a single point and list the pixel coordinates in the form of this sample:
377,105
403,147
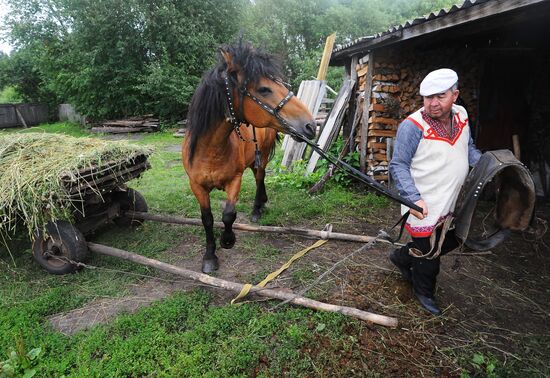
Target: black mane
209,103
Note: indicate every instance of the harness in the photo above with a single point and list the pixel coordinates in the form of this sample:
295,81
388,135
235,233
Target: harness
514,199
236,121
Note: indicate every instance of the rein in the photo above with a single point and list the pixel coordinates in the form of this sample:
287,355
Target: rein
355,173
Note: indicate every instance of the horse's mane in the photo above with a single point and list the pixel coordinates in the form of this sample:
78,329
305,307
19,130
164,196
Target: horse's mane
209,103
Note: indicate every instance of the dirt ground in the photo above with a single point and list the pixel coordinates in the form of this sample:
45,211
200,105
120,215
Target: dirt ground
495,302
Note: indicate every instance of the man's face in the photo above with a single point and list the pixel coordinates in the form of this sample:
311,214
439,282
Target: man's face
438,106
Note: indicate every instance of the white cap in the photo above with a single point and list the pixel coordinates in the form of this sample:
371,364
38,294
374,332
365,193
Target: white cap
438,81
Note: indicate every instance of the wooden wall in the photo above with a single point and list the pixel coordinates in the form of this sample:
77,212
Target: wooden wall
14,115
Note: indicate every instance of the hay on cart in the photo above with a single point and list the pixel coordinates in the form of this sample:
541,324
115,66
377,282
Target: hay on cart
47,177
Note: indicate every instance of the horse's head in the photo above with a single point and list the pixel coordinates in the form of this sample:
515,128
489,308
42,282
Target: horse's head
258,94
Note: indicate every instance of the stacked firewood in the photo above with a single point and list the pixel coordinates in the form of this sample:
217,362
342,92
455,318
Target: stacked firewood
394,95
384,116
138,124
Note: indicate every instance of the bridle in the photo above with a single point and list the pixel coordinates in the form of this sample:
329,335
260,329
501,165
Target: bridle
237,121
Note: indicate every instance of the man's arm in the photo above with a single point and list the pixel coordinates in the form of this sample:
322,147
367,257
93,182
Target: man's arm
406,143
473,153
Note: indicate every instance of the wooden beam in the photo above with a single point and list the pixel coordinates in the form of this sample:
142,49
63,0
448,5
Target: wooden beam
250,227
323,68
237,287
365,118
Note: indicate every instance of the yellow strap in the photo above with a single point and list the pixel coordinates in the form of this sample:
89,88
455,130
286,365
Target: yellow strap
271,276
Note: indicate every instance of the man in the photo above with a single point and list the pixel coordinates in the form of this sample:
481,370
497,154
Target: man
432,154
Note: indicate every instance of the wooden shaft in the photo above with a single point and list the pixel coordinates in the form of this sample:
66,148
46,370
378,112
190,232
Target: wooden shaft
236,287
250,227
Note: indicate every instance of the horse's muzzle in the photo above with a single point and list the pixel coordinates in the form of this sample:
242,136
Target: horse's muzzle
306,130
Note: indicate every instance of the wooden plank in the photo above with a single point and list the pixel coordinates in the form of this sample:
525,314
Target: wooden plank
311,94
327,52
383,120
365,119
333,123
349,128
382,133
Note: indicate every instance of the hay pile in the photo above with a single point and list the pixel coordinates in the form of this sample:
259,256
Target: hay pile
31,167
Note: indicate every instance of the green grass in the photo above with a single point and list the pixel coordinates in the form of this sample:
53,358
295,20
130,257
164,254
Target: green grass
183,335
187,335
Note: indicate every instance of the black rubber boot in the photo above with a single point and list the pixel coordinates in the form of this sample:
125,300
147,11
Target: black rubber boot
401,259
428,303
424,276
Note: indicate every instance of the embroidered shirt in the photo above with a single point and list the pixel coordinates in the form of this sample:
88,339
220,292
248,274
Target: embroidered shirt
439,126
430,166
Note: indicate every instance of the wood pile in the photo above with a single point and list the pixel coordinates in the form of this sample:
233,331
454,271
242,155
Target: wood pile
383,117
139,124
394,95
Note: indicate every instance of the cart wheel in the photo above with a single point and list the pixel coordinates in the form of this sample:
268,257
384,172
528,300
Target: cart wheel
130,200
63,243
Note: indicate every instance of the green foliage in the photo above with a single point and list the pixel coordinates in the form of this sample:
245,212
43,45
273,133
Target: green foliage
20,363
294,177
114,58
482,366
9,95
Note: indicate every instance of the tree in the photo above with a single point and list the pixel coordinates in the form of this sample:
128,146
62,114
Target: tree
116,57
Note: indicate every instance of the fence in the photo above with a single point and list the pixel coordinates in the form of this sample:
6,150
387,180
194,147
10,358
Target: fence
13,115
68,113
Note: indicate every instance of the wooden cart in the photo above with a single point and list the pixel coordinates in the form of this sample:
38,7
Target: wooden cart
99,195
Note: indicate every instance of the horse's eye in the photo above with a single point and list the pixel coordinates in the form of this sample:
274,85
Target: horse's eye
264,91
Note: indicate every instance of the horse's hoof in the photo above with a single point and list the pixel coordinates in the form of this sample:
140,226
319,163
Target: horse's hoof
255,218
210,265
227,242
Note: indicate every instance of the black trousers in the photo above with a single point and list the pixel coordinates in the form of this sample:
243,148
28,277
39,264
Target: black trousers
424,270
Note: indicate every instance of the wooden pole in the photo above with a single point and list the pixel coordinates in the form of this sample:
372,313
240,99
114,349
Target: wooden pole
515,144
249,227
20,117
365,119
236,287
327,52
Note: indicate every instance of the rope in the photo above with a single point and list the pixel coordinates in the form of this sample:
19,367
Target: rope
271,276
318,279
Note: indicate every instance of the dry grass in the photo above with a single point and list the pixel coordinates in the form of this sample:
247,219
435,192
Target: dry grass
31,167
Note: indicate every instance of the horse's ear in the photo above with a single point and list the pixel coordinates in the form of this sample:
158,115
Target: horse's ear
228,58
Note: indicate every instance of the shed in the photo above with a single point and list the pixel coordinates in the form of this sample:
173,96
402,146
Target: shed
501,52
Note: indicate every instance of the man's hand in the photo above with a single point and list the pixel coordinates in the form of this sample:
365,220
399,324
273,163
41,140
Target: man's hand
424,214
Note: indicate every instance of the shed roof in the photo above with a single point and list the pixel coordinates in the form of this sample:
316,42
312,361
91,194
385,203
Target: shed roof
469,11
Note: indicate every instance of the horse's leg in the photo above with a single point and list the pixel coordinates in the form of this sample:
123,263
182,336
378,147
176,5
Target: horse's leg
227,238
209,260
261,195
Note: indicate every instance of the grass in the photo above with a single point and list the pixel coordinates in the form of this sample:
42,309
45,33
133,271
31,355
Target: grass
189,334
181,336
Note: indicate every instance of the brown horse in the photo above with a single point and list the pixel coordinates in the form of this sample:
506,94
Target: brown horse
245,88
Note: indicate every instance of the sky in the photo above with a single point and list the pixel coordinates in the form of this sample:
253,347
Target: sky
3,10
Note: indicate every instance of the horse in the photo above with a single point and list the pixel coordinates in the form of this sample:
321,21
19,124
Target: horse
245,88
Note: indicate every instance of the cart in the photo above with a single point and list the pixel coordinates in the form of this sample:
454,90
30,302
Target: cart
99,195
